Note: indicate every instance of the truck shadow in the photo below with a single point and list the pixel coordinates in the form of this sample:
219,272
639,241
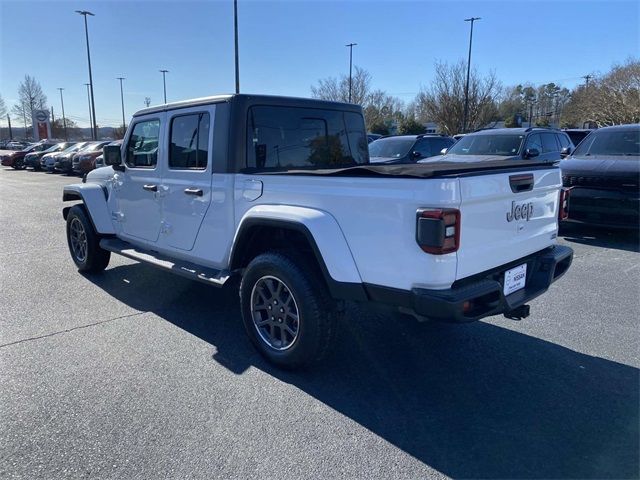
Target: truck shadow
627,240
470,401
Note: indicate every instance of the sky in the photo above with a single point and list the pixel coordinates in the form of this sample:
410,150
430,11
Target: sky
286,46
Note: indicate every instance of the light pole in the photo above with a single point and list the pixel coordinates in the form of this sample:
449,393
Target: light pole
235,33
94,128
64,120
350,45
147,101
122,100
466,87
164,83
89,103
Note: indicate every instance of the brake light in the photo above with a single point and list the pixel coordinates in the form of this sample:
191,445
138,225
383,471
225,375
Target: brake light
563,209
438,230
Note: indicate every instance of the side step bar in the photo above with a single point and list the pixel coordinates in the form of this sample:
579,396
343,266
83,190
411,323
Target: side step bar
189,270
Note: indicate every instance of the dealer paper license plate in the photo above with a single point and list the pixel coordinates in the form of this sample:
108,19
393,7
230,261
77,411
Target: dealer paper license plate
515,279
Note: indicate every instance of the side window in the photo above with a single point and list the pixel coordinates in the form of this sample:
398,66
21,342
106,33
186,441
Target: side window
534,141
423,147
549,143
293,137
189,147
142,149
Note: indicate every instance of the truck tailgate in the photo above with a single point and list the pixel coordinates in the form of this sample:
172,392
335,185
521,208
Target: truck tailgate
506,216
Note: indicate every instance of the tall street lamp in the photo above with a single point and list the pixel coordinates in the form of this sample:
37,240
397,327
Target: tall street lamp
466,88
350,45
122,100
64,120
94,128
164,83
235,34
89,103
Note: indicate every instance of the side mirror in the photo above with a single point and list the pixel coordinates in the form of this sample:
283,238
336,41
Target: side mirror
565,151
113,157
443,151
531,152
416,155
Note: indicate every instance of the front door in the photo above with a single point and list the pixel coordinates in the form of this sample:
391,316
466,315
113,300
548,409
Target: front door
138,188
186,182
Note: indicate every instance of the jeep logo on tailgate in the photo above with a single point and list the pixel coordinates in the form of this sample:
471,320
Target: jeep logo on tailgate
520,212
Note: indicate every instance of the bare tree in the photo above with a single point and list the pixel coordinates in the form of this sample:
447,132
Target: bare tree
337,89
443,101
30,97
380,109
611,99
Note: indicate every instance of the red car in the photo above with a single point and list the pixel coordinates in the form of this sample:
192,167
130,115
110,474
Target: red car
85,160
16,159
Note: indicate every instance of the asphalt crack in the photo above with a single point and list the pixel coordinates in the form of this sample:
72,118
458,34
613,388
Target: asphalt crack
80,327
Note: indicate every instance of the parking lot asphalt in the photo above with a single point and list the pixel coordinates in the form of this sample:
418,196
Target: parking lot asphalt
135,373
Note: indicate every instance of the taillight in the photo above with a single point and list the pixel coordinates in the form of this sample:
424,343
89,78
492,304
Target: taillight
563,209
438,230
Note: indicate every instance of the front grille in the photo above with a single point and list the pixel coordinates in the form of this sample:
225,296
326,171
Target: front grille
599,181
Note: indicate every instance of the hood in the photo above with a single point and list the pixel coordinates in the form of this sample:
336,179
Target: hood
469,158
608,166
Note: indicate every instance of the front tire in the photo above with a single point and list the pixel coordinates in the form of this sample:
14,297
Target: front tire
84,242
286,310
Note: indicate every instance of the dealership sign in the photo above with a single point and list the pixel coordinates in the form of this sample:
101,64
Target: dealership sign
41,124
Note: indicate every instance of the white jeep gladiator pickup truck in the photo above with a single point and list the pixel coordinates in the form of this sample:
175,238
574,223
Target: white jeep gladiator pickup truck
279,192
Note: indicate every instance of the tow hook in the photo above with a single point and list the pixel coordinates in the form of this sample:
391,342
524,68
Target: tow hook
518,313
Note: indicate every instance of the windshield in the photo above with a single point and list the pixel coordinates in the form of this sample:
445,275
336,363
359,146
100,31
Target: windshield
502,145
74,148
93,147
621,142
391,147
32,148
55,148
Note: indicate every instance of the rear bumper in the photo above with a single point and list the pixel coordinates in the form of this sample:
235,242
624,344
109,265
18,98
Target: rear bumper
481,295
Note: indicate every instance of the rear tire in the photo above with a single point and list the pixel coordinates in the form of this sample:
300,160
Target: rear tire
84,242
287,310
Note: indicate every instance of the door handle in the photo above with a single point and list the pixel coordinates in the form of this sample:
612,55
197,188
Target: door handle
150,188
193,191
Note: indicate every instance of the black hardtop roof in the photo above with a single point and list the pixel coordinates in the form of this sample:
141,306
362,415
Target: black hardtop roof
251,99
616,128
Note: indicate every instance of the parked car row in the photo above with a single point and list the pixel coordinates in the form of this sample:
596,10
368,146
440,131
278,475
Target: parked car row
601,176
63,157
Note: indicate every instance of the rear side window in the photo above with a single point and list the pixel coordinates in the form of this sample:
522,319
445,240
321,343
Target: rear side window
189,147
437,144
564,140
142,149
291,137
423,147
549,143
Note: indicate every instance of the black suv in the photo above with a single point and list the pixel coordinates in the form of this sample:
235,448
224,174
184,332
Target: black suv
546,144
407,148
604,177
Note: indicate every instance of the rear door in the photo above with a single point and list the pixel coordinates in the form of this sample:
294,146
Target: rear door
186,184
506,216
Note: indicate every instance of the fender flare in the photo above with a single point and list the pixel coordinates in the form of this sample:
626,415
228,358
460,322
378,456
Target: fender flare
94,198
323,234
